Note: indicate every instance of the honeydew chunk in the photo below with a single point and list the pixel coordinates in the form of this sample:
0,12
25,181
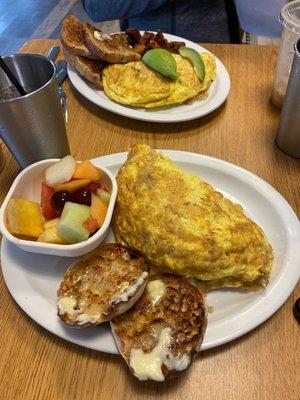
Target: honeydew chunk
60,171
103,195
70,227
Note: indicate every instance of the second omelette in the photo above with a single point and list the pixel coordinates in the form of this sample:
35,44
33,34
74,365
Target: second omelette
181,224
137,85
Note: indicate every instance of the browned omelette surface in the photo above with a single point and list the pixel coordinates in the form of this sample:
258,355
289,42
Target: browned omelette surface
95,285
182,225
168,303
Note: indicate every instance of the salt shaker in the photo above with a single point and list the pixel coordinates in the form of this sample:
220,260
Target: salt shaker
290,20
288,134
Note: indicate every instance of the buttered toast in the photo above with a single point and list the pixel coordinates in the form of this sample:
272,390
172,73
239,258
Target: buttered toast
101,285
163,332
72,36
89,69
110,48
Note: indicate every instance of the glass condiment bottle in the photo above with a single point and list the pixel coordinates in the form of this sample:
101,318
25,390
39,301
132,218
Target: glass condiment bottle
288,134
290,19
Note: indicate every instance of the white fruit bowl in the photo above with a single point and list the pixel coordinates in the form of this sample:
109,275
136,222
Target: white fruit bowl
28,186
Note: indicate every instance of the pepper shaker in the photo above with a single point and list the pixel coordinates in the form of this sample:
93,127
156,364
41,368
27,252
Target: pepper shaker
288,134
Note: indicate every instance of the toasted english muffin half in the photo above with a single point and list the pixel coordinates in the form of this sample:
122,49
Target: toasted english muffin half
101,285
163,332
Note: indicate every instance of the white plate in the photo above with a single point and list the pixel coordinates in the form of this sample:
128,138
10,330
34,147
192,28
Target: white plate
217,94
33,279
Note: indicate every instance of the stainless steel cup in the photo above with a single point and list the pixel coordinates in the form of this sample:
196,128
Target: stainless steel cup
288,134
32,126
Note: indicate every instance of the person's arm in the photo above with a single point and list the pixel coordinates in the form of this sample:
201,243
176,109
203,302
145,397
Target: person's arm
108,10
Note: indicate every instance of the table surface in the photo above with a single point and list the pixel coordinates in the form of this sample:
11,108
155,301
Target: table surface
263,364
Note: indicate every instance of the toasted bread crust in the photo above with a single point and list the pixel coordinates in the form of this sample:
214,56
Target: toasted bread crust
114,50
88,294
69,55
91,70
182,308
86,67
72,36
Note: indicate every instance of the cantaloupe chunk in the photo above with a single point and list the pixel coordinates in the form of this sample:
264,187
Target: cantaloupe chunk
24,218
87,170
98,209
72,185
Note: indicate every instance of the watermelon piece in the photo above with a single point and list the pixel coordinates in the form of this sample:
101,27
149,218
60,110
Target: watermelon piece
47,209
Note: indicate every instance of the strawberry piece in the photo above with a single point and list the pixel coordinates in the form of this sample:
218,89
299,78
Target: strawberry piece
93,186
91,224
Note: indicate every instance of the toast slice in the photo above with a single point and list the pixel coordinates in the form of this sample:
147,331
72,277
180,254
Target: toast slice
72,36
90,70
101,285
110,48
86,67
163,332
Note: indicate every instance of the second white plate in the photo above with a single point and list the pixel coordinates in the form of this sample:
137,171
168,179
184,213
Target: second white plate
33,279
217,94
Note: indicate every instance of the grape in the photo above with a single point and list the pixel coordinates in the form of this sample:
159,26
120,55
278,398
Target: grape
83,196
59,199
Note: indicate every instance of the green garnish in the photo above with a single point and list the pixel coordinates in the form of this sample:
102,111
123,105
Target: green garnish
195,59
162,61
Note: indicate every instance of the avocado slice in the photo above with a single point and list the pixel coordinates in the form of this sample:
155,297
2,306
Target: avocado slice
162,61
195,59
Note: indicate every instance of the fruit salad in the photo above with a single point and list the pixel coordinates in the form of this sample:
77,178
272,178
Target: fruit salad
74,201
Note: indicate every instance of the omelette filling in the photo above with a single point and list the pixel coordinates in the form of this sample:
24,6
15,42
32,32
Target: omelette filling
136,84
195,232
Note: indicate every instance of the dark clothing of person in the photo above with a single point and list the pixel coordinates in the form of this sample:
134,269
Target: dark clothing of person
196,20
